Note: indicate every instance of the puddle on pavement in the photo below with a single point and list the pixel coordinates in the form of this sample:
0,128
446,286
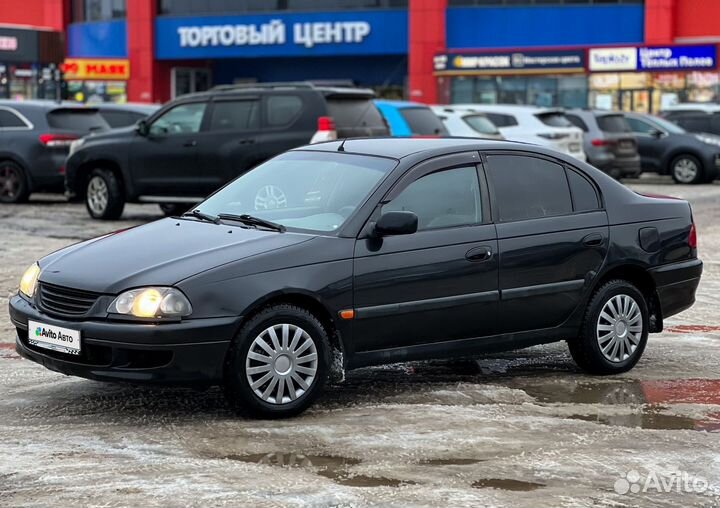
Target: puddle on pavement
507,484
449,462
644,420
332,467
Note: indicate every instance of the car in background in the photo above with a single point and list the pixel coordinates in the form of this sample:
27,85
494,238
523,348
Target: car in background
124,115
35,137
608,142
197,143
541,126
668,149
410,119
385,250
694,117
466,122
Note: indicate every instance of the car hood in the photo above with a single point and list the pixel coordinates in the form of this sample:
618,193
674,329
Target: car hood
161,253
120,132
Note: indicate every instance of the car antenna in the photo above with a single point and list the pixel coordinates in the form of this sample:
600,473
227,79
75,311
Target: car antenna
341,148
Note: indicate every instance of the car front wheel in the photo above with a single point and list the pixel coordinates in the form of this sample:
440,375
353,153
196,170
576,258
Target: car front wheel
687,169
104,198
13,183
614,331
278,363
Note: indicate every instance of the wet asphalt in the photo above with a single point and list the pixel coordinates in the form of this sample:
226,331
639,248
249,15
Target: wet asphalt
523,428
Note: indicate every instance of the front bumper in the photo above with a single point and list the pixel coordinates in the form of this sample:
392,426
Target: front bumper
676,284
190,352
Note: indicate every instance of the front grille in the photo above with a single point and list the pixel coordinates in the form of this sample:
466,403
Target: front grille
65,301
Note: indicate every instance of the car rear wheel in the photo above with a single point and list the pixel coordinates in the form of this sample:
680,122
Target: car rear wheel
14,186
104,197
687,169
278,363
615,330
173,209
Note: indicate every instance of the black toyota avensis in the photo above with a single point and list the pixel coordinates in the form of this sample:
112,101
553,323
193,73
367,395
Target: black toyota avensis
347,254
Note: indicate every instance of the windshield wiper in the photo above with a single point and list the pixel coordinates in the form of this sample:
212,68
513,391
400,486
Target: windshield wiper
252,221
202,216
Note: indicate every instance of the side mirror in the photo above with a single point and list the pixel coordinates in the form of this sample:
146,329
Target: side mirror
142,128
396,223
656,134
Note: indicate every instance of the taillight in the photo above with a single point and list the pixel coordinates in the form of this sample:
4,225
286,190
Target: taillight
602,142
554,135
326,123
57,140
692,237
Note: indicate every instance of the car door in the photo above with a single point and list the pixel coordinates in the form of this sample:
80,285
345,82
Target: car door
649,142
552,238
439,283
165,161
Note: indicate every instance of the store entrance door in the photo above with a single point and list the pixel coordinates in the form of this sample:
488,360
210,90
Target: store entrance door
636,100
188,80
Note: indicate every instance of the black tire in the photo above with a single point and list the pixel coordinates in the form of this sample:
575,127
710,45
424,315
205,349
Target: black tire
173,209
112,207
14,186
586,350
238,391
679,177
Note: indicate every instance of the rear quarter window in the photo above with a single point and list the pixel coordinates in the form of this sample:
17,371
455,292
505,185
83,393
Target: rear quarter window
554,119
613,123
501,120
423,121
578,122
80,120
584,196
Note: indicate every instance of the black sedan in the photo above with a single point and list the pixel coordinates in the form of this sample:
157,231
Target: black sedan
363,252
668,149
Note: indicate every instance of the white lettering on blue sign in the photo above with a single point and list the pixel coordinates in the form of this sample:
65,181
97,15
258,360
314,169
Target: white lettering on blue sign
274,32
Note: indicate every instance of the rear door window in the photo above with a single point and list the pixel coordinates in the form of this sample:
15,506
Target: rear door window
282,109
613,123
554,119
76,119
354,113
640,127
528,187
501,120
181,119
423,121
238,115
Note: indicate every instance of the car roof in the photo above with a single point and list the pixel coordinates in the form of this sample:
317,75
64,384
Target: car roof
399,104
455,109
593,112
42,104
398,148
694,106
240,88
136,107
510,108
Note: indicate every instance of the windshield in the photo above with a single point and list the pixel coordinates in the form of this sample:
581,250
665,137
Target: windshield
315,191
672,128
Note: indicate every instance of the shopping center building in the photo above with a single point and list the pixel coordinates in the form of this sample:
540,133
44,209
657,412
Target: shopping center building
628,54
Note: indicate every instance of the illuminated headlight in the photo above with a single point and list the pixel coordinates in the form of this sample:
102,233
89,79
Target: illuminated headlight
29,280
75,145
153,302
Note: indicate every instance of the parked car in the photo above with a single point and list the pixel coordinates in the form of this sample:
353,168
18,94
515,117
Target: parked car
541,126
374,251
466,122
608,142
695,117
34,141
410,119
668,149
124,115
198,142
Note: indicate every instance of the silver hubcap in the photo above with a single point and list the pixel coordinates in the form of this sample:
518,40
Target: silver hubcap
685,170
269,198
281,363
619,328
97,195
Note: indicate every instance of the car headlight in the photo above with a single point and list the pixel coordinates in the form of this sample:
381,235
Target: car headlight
75,145
152,302
29,280
709,140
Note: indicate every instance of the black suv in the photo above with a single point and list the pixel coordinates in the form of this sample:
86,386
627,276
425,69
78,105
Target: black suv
198,142
34,141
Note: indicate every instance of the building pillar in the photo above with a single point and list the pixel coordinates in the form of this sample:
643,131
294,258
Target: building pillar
149,79
660,21
427,38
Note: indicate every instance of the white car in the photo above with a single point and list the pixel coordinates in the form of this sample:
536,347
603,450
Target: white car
541,126
466,121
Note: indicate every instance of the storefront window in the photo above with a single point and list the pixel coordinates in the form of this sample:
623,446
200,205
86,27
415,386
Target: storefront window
543,91
98,10
97,91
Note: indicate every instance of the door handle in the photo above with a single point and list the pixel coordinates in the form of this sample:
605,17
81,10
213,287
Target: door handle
479,254
246,141
593,240
190,144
